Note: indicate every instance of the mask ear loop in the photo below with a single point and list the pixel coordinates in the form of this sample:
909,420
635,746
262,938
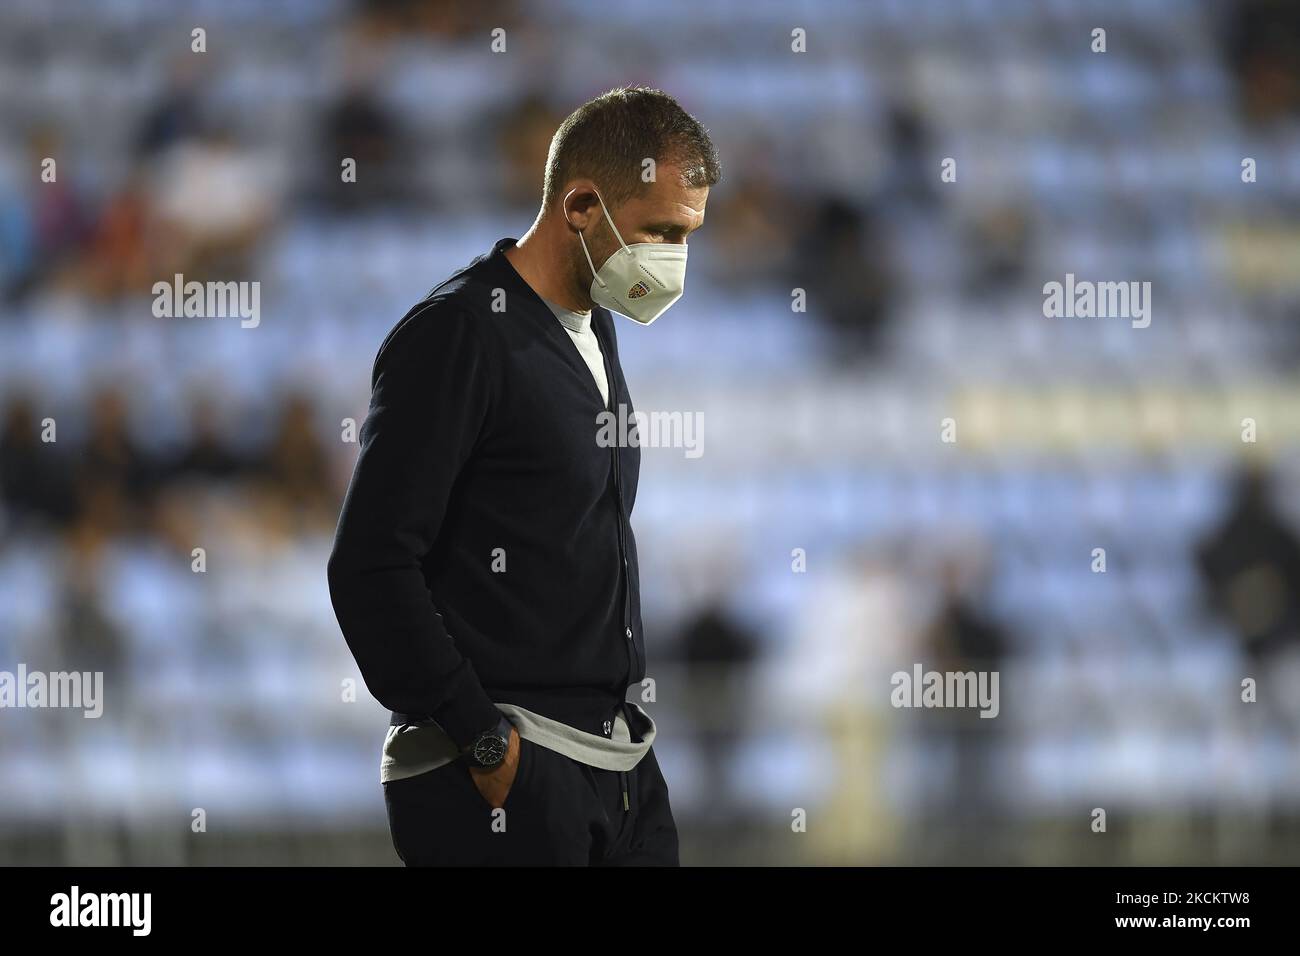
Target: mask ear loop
594,274
617,234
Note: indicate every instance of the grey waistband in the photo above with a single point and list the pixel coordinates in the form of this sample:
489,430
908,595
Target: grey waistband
411,749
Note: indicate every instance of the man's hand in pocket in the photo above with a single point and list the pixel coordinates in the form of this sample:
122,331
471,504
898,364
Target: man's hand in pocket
494,785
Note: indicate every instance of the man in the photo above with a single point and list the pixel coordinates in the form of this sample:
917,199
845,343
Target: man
484,572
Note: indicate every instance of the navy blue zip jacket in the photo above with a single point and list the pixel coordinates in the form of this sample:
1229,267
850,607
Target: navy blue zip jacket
484,552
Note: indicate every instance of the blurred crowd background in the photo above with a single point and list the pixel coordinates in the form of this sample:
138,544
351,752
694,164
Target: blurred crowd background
826,538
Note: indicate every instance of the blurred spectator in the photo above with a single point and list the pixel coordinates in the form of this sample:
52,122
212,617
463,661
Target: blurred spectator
33,474
358,127
114,479
855,631
1263,45
911,168
296,465
1250,567
120,259
44,222
177,115
442,19
213,198
841,260
523,136
206,454
962,639
750,224
89,640
999,244
719,653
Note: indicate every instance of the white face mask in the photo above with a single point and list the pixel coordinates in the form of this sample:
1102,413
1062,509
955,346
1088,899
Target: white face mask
641,280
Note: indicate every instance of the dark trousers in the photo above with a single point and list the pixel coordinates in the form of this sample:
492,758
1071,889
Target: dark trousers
559,812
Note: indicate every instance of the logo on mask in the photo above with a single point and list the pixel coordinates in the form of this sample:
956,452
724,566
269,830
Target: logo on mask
638,290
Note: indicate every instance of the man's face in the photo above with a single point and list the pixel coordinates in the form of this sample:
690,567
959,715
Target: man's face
665,212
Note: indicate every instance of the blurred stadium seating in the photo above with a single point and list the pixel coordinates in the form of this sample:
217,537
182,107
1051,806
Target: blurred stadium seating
822,428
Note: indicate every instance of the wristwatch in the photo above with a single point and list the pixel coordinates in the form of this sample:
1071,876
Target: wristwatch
489,748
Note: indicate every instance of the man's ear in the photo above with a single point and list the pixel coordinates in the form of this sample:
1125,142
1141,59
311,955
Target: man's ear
580,204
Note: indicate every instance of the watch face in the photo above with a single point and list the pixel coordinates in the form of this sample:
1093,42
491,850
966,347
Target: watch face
489,750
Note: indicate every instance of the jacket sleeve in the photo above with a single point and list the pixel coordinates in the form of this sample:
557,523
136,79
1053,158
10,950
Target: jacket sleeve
430,393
